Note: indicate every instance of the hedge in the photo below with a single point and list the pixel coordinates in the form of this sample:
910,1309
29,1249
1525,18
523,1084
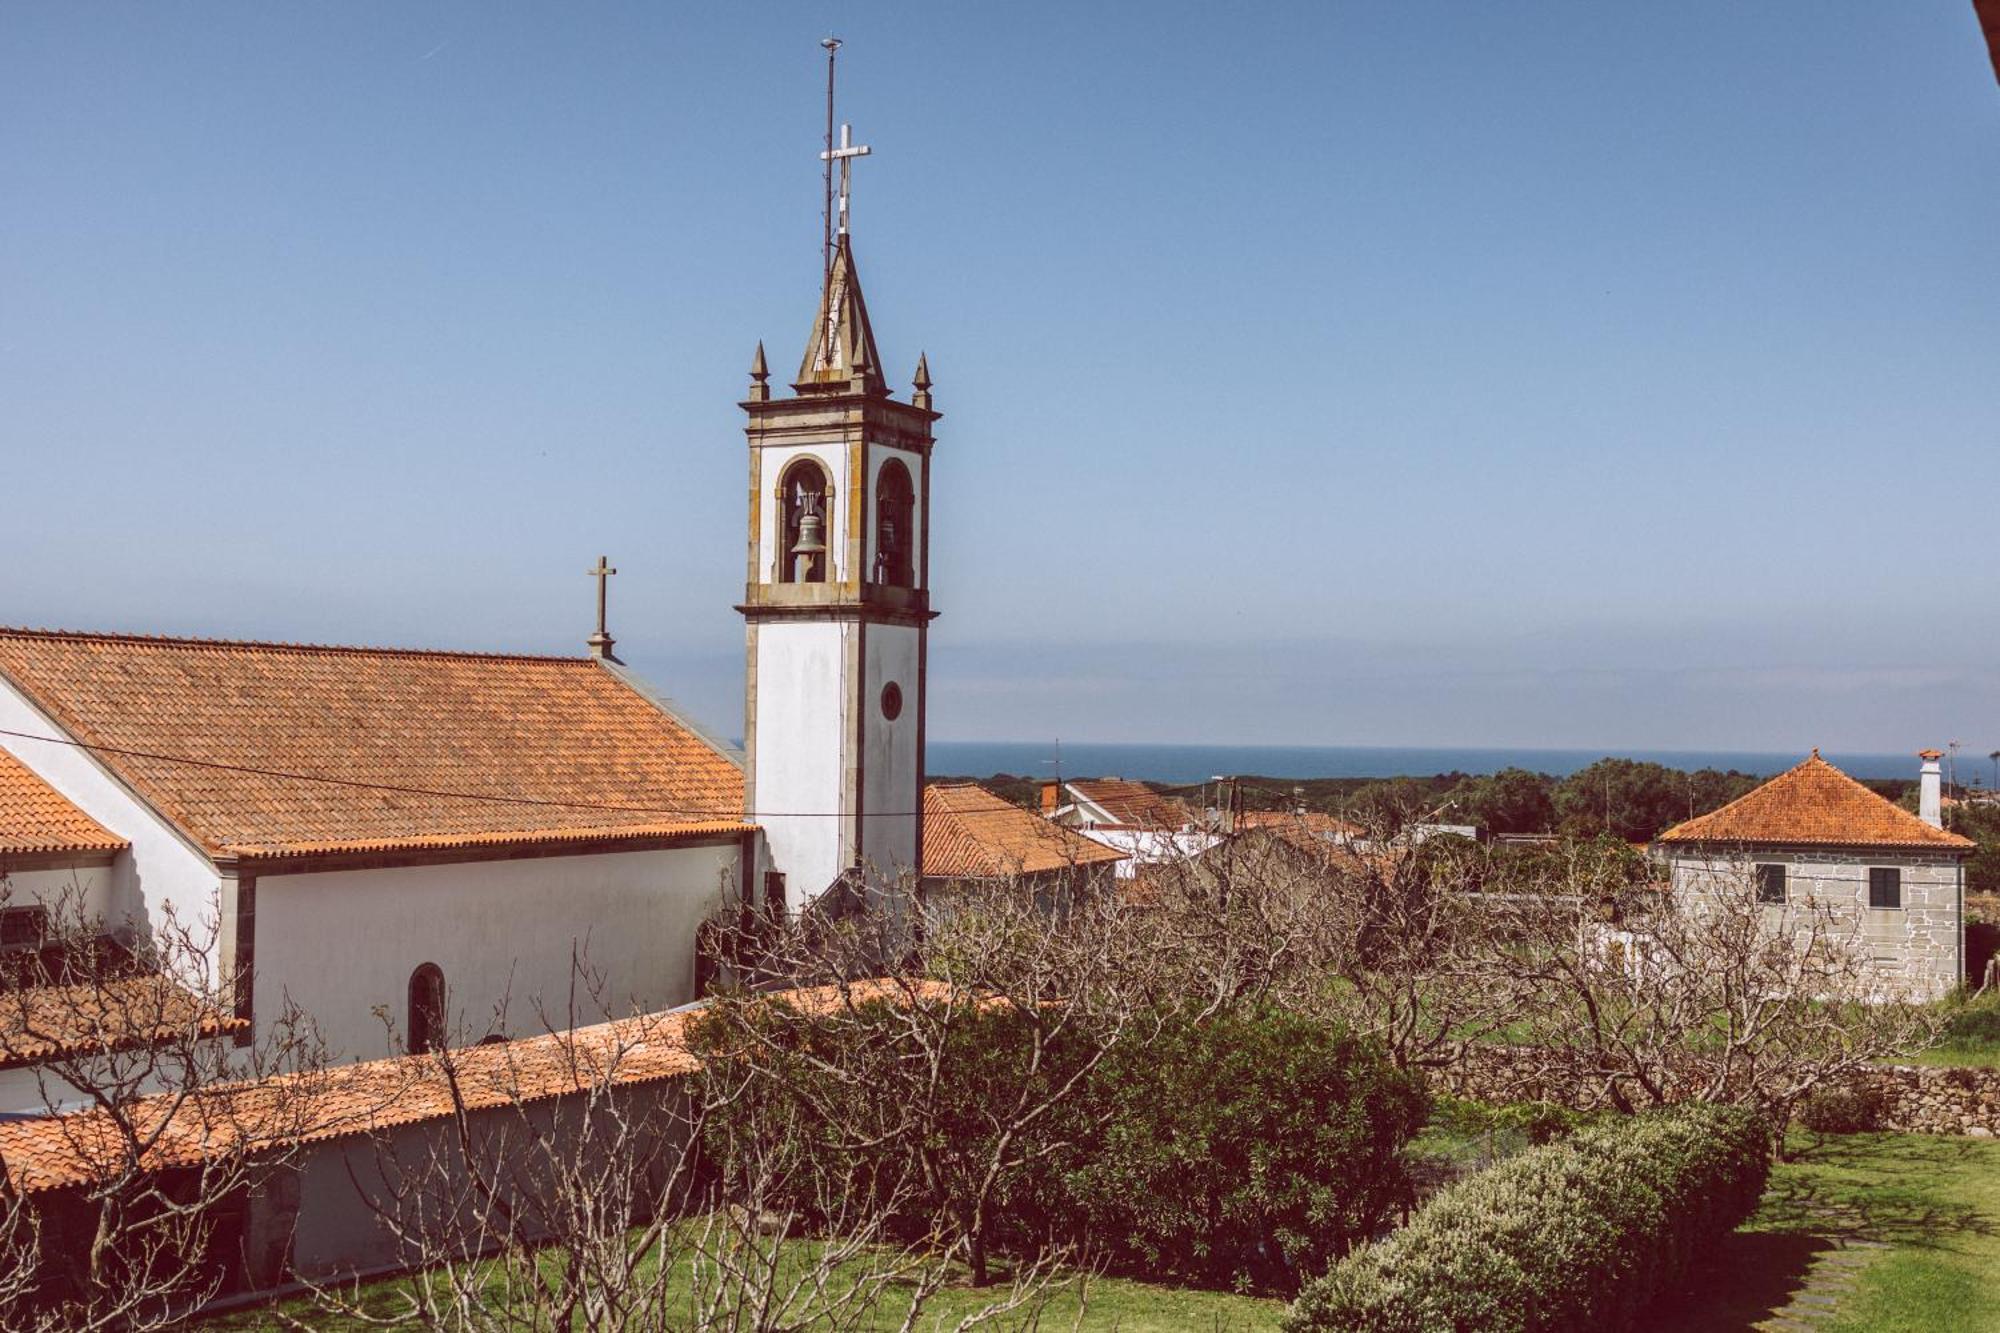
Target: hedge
1578,1235
1245,1150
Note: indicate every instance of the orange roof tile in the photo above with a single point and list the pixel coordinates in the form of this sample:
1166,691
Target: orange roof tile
1310,822
969,833
1131,803
49,1152
38,1022
1814,804
274,747
35,817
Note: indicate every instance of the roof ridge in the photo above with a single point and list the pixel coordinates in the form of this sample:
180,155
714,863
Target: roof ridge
1804,763
280,645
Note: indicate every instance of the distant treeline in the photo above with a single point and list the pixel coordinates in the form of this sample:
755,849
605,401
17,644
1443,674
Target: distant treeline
1627,798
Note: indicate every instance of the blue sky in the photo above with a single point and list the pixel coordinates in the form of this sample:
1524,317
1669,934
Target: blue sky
1526,374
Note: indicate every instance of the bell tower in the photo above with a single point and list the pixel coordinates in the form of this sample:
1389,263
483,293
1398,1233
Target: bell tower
837,600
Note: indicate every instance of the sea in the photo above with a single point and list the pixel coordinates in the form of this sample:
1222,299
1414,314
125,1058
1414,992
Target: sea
1199,763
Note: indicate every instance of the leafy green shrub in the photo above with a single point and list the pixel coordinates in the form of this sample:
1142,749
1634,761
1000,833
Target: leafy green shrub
1841,1110
886,1109
1579,1235
1243,1150
1974,1020
1538,1122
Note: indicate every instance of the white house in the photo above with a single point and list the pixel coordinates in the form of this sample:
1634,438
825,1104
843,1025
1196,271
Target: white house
1128,817
1815,834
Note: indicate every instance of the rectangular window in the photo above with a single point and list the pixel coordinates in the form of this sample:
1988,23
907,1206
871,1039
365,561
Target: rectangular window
1885,886
1770,884
774,892
23,927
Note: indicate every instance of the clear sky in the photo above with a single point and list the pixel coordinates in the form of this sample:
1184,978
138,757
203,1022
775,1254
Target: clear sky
1403,373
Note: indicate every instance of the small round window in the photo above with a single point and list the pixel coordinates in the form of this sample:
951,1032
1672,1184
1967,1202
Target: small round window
892,701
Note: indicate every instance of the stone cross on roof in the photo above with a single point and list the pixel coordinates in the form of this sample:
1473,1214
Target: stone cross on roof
600,642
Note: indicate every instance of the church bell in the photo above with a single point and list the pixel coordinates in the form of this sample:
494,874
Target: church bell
810,548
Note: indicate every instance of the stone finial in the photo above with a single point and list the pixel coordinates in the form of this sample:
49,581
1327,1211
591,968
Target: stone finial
922,382
760,390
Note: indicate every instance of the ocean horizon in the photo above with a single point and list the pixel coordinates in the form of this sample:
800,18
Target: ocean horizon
1198,763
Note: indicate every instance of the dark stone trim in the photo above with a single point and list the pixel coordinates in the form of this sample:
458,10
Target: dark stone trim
845,613
428,856
244,959
55,860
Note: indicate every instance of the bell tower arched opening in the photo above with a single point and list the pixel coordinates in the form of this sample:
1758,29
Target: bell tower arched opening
807,497
895,508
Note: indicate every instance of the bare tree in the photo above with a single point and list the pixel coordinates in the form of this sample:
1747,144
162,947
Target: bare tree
600,1177
1631,996
124,1203
940,1087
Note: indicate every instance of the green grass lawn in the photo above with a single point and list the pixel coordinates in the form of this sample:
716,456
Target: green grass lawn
1098,1304
1911,1220
1869,1233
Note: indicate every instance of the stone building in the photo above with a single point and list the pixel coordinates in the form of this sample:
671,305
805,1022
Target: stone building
1815,834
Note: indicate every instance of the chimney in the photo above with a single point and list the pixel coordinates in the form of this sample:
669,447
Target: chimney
1051,798
1930,789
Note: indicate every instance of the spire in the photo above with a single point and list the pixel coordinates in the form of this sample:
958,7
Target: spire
759,373
921,382
840,354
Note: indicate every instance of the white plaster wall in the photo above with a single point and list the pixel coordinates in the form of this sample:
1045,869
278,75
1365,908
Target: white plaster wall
162,868
341,942
892,771
800,670
878,454
1148,847
1917,948
27,1091
832,457
62,889
337,1231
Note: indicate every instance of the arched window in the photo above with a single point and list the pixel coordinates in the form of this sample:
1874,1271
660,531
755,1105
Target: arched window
426,1009
808,499
895,503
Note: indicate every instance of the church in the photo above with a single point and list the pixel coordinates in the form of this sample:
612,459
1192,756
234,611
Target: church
478,845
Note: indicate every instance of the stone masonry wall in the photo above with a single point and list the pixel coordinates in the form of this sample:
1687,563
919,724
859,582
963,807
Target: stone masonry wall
1915,948
1916,1099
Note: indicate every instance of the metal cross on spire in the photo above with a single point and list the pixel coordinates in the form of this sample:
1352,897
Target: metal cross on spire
844,154
600,643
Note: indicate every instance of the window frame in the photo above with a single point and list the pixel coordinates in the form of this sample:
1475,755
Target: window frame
1893,876
430,1018
1770,894
24,927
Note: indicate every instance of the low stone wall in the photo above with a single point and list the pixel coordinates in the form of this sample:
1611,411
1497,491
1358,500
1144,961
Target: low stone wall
1917,1099
1924,1100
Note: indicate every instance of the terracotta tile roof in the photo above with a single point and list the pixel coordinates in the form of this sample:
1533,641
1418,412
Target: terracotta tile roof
1132,804
969,833
1309,822
38,1022
1814,804
305,746
49,1152
34,817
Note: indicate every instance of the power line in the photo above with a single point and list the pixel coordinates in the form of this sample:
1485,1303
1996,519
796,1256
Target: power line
491,798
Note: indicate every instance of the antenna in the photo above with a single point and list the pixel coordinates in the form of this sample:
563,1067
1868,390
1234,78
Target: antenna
832,45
